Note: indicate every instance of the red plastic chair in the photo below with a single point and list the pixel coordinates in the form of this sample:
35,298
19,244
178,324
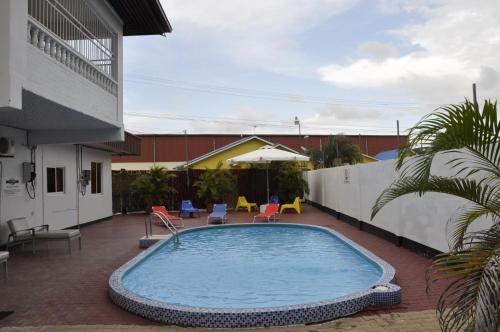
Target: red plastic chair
271,211
161,210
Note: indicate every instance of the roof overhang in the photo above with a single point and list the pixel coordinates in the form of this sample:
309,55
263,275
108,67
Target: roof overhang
141,17
232,145
130,146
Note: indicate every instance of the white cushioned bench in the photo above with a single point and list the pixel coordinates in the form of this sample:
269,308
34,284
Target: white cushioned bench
63,234
21,232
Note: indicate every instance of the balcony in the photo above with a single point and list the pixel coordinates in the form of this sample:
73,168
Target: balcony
61,65
74,35
62,80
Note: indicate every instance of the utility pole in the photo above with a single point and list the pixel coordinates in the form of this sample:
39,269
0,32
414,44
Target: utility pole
297,122
474,96
187,158
154,149
397,137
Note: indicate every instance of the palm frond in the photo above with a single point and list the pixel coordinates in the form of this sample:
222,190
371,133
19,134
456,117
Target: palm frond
455,127
465,218
472,301
481,194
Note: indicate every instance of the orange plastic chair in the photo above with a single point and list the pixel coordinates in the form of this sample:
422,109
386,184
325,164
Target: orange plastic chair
160,209
270,212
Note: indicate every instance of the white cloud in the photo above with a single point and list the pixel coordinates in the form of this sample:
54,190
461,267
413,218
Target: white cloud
255,33
376,50
366,73
456,44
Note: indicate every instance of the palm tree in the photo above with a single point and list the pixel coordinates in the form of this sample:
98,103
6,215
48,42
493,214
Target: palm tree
216,186
155,186
337,151
471,302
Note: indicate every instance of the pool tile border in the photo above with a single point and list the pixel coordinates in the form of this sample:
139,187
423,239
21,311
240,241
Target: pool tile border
388,294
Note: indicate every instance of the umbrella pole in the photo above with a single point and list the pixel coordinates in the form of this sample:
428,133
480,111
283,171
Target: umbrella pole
267,179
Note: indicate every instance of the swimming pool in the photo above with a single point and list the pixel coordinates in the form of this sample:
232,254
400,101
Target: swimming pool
253,275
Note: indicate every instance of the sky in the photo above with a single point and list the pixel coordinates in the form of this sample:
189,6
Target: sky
339,66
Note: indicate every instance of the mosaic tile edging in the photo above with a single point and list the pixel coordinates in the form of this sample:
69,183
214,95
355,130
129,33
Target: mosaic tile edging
259,317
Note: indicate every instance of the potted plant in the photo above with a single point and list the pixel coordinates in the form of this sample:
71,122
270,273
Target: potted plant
216,186
154,186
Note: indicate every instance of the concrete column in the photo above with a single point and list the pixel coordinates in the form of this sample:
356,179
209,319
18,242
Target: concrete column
13,40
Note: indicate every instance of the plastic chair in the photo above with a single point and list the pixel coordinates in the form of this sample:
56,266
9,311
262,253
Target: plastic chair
243,203
295,205
274,199
163,211
219,213
188,208
270,212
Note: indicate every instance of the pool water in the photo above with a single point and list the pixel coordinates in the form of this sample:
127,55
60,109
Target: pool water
237,267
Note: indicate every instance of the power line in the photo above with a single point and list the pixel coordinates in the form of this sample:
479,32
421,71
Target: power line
263,94
251,123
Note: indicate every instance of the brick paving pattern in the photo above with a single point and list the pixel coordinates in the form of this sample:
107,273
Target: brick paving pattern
53,288
416,321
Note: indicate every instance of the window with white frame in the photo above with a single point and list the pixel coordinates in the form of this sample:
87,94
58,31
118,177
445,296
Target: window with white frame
55,179
96,177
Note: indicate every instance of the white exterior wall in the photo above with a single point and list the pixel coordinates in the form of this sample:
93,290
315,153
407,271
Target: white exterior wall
23,66
97,206
53,80
58,210
12,62
421,219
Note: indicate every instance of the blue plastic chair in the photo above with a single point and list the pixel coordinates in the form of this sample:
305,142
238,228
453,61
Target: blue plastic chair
187,208
274,199
219,213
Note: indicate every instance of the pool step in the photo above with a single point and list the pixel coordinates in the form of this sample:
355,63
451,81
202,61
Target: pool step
146,242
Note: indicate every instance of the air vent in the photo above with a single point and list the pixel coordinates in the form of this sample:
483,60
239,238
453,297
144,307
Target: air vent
7,147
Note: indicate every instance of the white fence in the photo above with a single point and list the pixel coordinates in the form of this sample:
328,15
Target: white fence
352,190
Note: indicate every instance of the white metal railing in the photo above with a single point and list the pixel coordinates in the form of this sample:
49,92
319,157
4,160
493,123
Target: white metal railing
70,32
169,224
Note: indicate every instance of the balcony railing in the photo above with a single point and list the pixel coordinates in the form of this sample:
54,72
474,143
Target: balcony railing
70,32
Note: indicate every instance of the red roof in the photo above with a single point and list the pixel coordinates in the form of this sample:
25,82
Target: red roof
173,147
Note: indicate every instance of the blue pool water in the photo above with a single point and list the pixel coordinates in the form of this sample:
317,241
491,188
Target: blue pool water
252,267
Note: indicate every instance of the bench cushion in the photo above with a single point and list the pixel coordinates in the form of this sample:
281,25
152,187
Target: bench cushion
4,255
59,234
20,226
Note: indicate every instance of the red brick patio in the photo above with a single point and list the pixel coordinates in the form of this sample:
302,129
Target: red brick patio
53,288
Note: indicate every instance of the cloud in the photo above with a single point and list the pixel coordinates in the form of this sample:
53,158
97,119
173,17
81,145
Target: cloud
455,45
346,113
376,50
254,33
367,73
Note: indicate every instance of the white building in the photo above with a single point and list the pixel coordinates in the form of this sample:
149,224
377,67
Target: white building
60,100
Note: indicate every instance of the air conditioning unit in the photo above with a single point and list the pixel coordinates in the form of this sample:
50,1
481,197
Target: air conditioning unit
7,147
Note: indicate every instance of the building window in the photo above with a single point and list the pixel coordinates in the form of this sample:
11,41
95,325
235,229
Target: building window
96,177
55,179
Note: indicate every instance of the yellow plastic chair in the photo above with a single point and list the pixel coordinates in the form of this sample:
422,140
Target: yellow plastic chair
295,205
243,203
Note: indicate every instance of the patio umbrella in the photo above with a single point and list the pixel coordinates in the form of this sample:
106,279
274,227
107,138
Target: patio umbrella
265,155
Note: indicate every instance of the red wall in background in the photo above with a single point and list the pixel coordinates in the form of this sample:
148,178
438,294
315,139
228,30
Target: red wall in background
173,147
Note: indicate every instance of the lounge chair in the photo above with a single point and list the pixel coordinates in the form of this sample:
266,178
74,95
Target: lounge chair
270,212
4,255
160,209
243,203
218,213
21,232
295,205
274,199
188,208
